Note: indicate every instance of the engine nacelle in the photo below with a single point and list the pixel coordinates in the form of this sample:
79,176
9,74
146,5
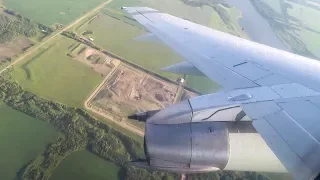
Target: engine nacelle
184,139
191,147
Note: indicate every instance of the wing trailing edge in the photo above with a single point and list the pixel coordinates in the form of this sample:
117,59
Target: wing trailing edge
183,68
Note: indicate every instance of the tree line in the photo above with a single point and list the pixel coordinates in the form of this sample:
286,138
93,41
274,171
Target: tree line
79,130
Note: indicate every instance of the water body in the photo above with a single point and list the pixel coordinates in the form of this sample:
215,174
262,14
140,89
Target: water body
22,138
83,165
257,27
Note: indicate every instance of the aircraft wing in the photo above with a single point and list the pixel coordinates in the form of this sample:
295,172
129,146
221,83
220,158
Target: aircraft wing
278,90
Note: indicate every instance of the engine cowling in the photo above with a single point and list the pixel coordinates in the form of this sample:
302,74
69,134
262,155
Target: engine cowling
178,139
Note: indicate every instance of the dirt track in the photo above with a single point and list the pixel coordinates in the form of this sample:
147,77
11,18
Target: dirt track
33,49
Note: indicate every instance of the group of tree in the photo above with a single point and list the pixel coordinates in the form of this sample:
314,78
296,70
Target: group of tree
74,36
13,24
79,130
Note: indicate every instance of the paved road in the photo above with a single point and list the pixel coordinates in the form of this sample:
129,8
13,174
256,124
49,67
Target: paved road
34,49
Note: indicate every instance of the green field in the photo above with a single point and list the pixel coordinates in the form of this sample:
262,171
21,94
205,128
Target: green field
83,165
119,40
49,12
152,55
204,15
202,84
112,31
55,76
22,138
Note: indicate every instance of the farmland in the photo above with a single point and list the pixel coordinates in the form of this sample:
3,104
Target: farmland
52,74
114,31
129,90
81,131
202,84
9,50
78,131
53,83
118,37
83,165
49,12
17,35
22,138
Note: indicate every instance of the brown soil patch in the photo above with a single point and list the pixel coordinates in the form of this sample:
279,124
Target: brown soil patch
14,48
130,90
99,62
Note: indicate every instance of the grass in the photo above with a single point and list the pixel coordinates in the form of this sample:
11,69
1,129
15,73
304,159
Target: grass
115,33
22,138
49,12
53,75
83,165
202,84
118,37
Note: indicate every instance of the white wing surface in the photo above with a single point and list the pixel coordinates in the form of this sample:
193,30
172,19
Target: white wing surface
278,90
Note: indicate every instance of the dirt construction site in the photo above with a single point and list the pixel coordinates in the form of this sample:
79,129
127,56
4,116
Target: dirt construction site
98,61
129,90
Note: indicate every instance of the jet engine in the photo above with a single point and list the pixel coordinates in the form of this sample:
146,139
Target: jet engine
189,137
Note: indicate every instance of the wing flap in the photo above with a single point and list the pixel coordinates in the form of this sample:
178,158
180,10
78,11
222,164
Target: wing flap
290,133
282,150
